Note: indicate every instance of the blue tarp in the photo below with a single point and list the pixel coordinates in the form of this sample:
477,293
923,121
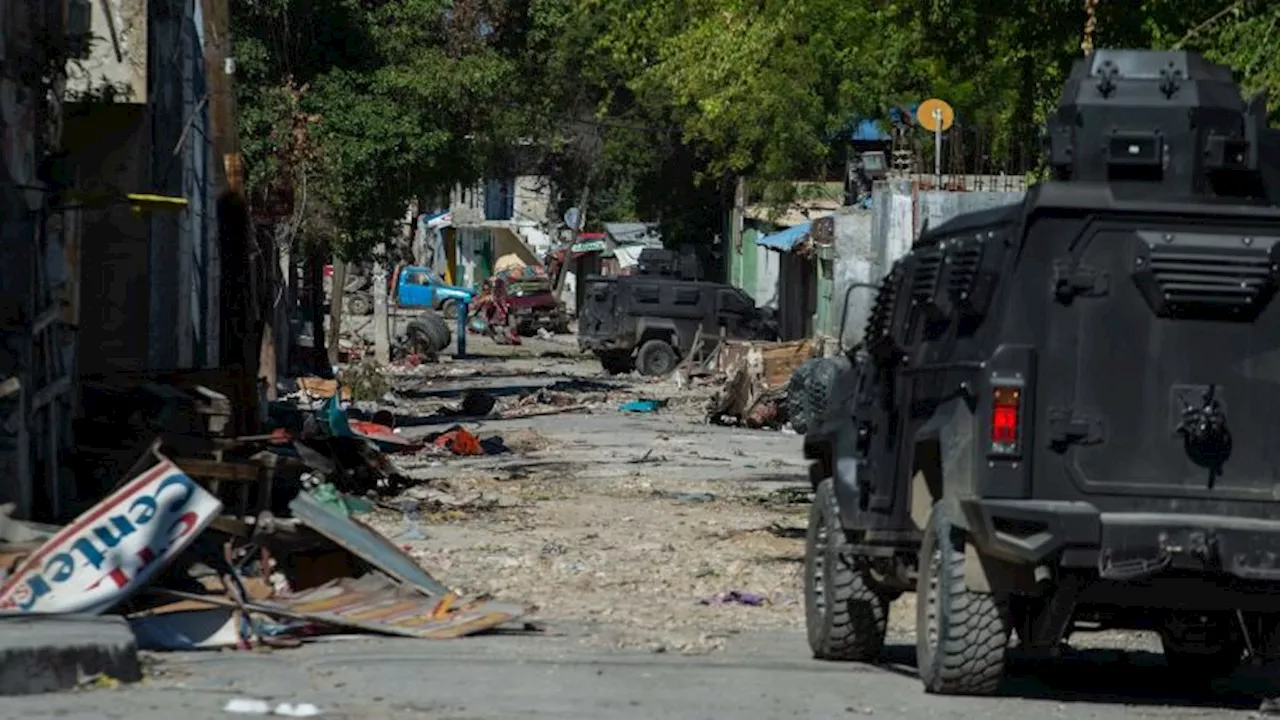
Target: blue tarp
869,131
786,240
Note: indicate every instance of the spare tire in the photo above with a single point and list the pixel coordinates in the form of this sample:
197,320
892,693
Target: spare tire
810,390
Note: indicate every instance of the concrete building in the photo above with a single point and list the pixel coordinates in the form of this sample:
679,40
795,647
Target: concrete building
37,247
809,262
153,276
109,228
495,223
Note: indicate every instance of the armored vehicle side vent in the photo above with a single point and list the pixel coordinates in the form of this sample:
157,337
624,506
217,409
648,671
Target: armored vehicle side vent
924,285
963,274
1194,274
879,335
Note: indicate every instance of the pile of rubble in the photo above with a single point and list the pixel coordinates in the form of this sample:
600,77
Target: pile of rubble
753,379
214,539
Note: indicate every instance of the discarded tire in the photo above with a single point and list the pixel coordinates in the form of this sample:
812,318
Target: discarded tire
961,635
811,389
845,616
428,335
657,357
360,304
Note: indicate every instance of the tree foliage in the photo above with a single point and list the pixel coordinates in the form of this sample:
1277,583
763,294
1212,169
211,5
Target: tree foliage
650,110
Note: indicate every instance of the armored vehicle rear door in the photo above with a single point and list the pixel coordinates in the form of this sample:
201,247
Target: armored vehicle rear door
599,316
1160,374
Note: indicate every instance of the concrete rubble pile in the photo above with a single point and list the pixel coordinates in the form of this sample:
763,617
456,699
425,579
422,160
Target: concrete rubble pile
754,377
214,539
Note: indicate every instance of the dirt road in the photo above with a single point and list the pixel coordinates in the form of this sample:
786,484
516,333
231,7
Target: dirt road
630,532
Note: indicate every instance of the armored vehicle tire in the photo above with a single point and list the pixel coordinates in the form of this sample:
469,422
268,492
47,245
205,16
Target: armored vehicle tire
845,616
616,363
961,635
449,309
1213,652
810,389
657,357
360,304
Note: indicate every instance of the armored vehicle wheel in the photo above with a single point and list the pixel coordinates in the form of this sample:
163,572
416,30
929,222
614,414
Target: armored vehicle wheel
657,357
360,304
961,635
810,391
846,617
1201,648
616,363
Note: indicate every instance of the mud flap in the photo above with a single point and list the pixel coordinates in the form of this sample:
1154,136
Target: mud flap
846,472
951,428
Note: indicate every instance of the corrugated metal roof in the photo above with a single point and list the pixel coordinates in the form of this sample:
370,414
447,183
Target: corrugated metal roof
786,240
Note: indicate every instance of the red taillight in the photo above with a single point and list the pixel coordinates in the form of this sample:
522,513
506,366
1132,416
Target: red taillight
1006,420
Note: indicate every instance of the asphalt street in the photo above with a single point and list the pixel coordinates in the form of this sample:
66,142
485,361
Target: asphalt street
553,675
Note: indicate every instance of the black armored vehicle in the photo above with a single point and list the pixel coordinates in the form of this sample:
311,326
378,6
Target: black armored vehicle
650,321
1064,414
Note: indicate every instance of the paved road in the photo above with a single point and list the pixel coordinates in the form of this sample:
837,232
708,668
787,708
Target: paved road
510,677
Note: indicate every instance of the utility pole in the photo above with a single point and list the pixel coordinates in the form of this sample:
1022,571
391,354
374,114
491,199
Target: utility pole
337,285
381,333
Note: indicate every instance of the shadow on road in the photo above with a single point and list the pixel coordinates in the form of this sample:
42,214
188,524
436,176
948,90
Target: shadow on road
1136,678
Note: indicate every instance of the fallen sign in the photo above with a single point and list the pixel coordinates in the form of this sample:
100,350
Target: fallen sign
374,603
115,548
358,539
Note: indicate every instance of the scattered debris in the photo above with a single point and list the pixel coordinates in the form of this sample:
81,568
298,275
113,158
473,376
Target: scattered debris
645,405
756,379
737,597
252,706
691,497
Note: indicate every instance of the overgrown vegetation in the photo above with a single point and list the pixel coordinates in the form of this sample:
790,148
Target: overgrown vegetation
650,109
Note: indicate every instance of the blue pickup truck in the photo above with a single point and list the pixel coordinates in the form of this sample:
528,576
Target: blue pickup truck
414,287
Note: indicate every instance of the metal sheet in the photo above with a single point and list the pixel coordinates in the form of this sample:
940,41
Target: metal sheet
360,540
376,604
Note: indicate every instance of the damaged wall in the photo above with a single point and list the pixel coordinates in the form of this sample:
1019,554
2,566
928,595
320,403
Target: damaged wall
154,277
111,149
872,244
36,351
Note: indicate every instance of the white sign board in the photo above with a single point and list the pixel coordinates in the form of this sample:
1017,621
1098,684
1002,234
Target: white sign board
115,548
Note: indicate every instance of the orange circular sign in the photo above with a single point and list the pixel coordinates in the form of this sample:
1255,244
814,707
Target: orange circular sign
935,115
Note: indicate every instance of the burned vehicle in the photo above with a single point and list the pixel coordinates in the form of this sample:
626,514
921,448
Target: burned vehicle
651,321
1061,414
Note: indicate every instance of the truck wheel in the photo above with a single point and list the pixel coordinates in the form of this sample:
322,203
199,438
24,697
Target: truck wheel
616,363
657,357
845,616
360,304
449,308
1201,648
961,635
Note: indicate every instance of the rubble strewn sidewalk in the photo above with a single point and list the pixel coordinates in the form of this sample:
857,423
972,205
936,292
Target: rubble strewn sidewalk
531,480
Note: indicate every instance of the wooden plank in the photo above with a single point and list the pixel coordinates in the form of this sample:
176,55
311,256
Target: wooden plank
220,471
